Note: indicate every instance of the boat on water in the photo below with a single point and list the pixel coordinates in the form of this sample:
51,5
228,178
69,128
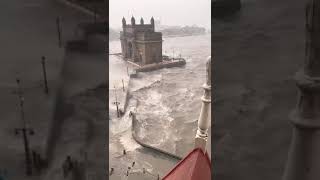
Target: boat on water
222,8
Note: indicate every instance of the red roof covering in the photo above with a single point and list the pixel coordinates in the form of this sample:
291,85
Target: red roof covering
195,166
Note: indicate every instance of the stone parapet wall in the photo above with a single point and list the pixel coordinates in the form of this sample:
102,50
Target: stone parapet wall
152,67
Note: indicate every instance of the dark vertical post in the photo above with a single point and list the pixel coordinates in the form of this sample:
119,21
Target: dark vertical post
303,157
173,54
128,71
122,85
25,132
46,89
116,102
58,30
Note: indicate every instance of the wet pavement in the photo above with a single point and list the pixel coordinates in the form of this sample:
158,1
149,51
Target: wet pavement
256,54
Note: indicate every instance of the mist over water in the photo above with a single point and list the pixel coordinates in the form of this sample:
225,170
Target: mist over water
177,12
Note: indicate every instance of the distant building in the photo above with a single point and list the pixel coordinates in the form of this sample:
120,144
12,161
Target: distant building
140,43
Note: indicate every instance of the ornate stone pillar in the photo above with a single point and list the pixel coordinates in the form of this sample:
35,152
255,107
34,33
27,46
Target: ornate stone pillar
304,154
204,119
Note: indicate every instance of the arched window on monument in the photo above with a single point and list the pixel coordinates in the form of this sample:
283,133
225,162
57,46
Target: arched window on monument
130,54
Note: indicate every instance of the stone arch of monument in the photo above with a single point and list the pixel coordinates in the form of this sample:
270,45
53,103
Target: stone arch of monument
130,50
140,43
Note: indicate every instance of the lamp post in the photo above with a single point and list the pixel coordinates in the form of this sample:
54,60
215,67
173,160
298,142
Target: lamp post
25,132
116,102
204,121
58,30
46,89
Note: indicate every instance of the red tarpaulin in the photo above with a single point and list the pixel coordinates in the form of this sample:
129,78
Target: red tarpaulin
195,166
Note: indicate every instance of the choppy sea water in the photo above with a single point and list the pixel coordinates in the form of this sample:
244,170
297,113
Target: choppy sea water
167,103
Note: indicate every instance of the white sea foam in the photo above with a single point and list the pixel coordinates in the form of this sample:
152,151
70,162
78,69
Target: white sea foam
128,143
122,124
165,94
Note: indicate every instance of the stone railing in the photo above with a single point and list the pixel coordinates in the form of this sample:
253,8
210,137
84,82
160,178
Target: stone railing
204,120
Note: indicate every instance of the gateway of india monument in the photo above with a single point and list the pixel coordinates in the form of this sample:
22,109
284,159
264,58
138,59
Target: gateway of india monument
141,46
140,43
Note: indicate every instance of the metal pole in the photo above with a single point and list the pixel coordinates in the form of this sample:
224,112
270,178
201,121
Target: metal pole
204,120
128,71
21,99
122,85
27,151
24,131
58,30
116,102
46,89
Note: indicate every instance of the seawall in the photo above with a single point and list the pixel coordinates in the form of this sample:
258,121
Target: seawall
139,141
169,64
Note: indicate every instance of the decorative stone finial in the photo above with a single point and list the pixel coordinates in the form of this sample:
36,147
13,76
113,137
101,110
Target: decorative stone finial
123,21
133,21
141,21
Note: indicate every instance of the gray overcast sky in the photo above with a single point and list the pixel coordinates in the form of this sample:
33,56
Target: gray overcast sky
170,12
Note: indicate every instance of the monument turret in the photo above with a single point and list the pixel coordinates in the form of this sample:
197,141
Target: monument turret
152,21
133,21
140,43
123,22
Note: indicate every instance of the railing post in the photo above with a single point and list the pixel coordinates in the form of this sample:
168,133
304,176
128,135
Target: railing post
303,157
204,118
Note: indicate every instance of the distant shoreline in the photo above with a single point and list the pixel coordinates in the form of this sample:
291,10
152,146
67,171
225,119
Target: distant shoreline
184,35
169,36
